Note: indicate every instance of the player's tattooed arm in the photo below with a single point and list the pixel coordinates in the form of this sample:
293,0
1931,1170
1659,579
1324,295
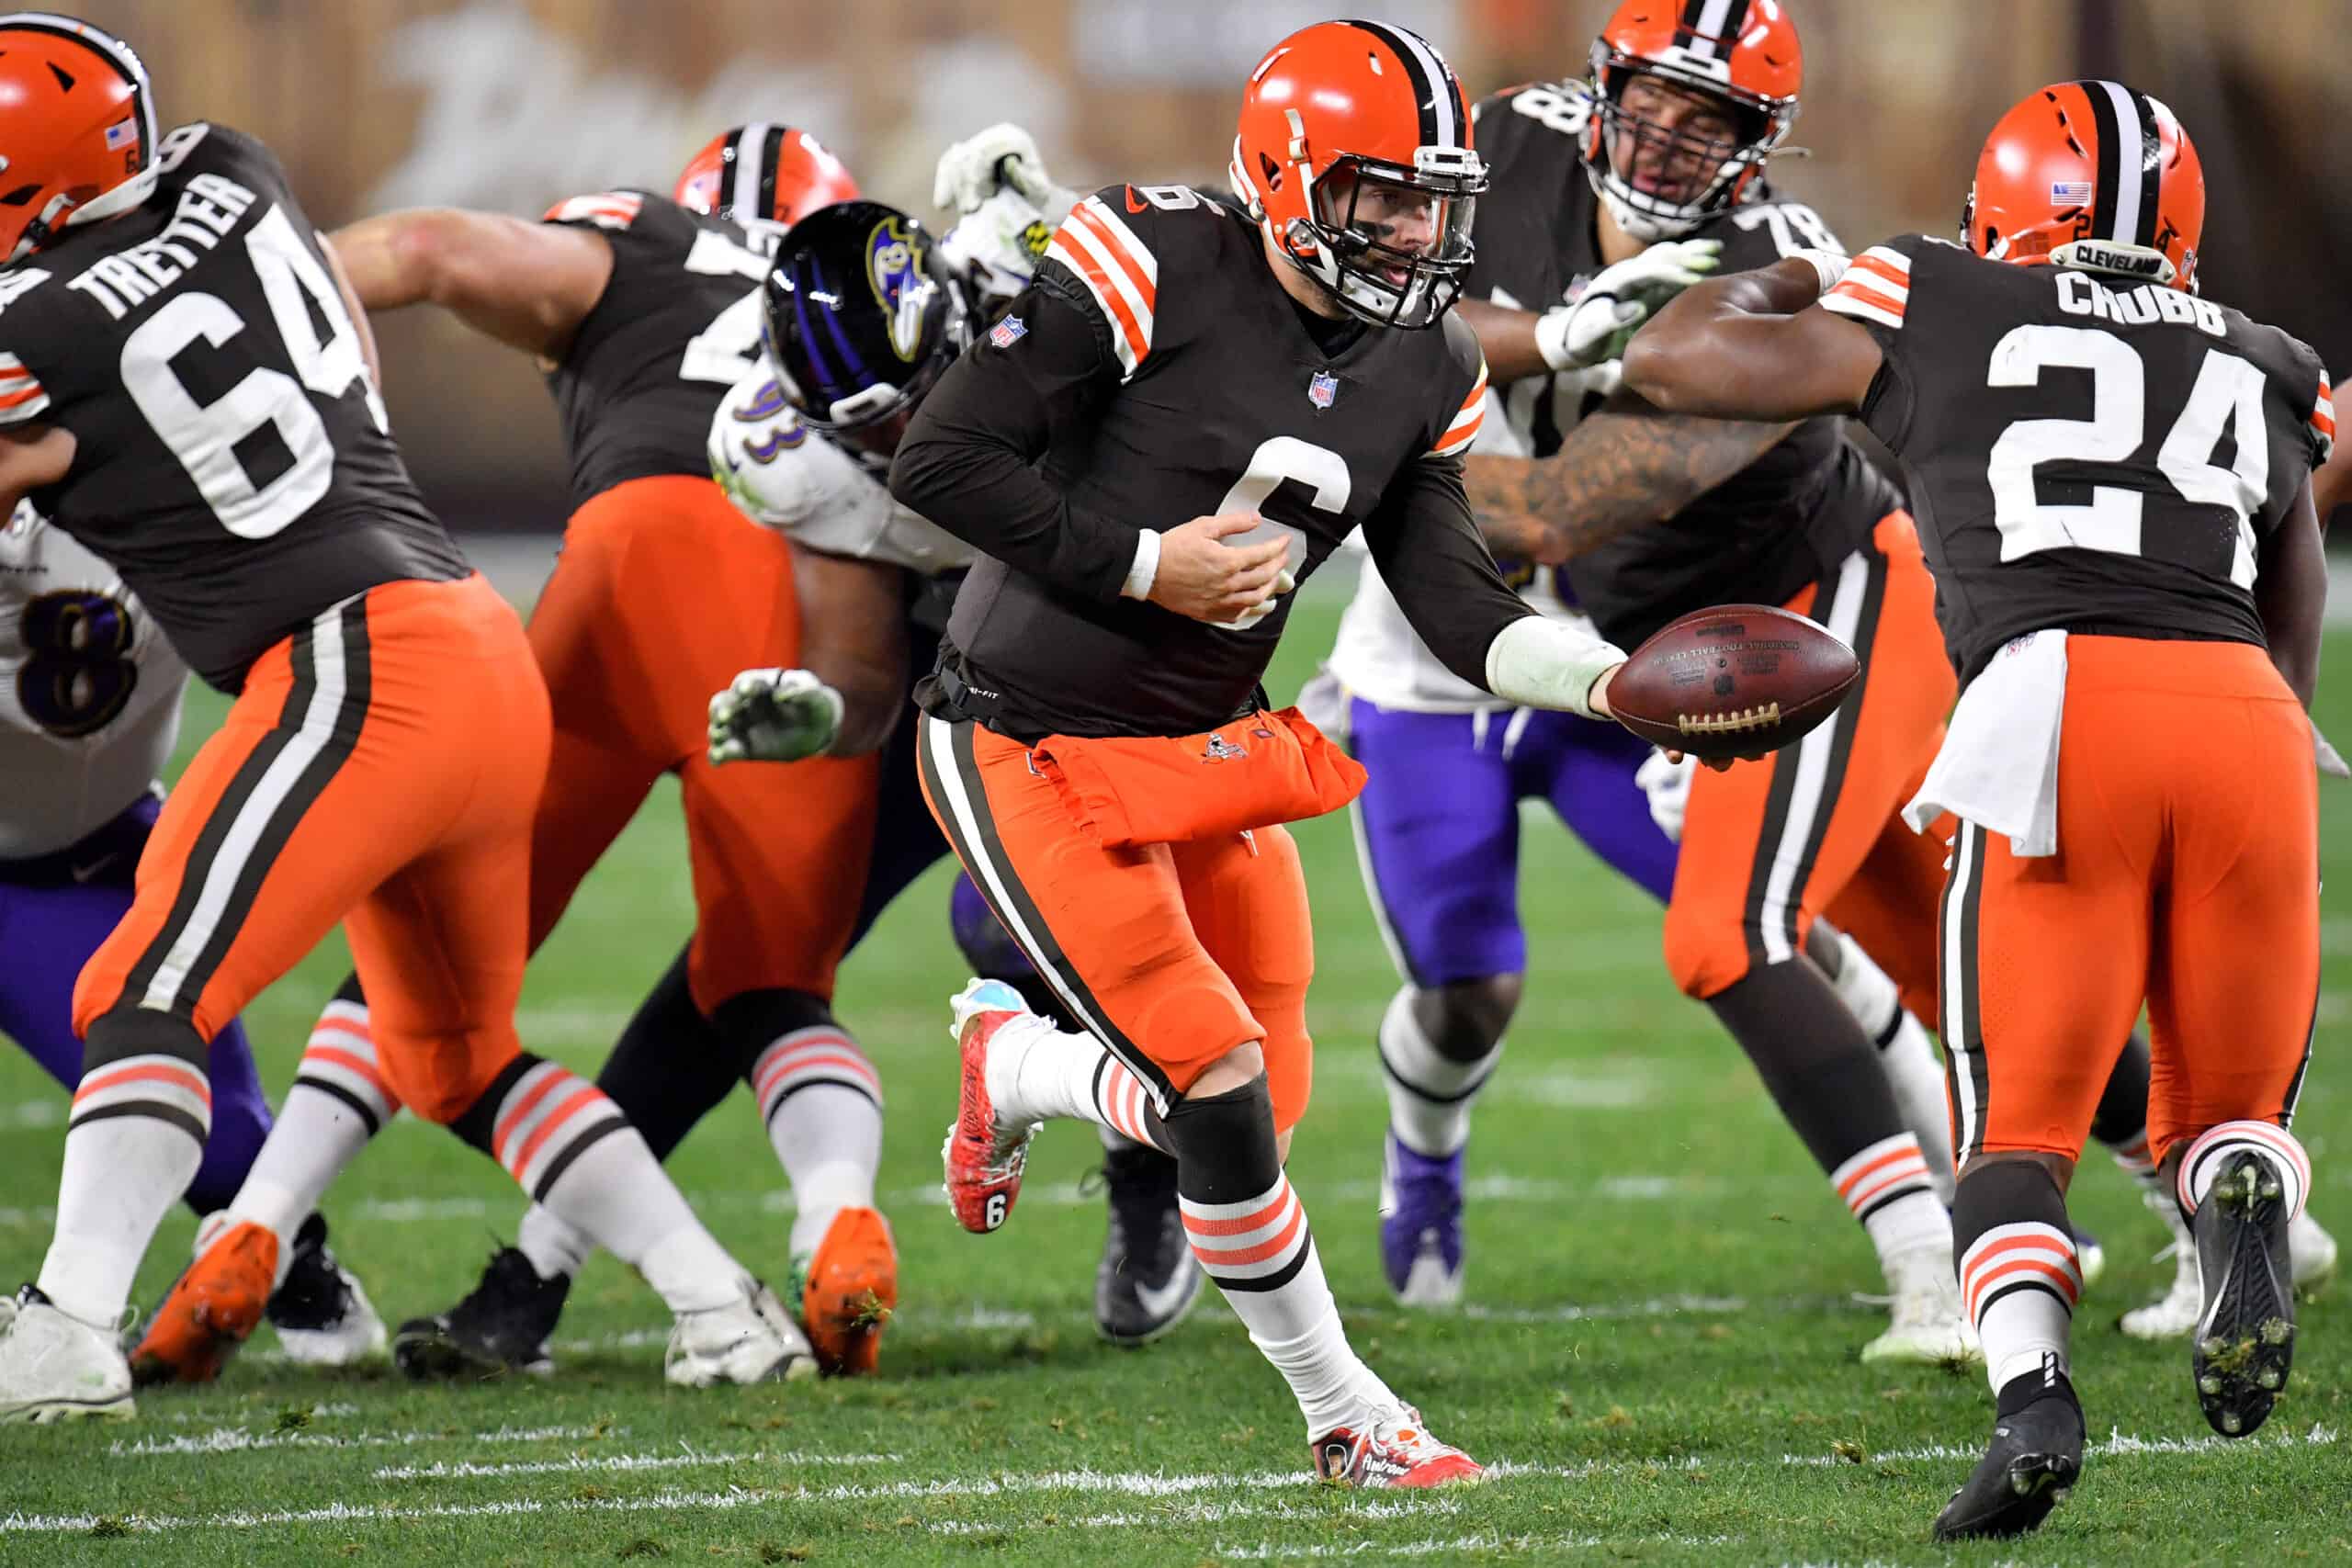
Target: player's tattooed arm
1625,465
2290,595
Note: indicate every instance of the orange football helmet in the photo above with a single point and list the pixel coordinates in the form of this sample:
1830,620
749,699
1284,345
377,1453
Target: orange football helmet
77,129
1743,52
770,173
1353,156
2089,175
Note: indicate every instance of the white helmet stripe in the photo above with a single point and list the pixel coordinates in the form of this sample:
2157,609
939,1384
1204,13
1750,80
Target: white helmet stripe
2127,193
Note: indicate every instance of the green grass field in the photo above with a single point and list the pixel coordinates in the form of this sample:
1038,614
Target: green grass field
1659,1360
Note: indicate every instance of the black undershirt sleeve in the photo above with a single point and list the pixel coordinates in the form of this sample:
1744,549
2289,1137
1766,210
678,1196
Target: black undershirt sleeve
1430,554
968,460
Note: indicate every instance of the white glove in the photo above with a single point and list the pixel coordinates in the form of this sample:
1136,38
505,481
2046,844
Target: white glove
1003,155
1620,299
774,716
1000,242
1667,784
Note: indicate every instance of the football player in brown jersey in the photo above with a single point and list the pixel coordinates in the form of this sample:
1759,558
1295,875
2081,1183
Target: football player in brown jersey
1096,743
1611,192
2114,477
190,394
641,310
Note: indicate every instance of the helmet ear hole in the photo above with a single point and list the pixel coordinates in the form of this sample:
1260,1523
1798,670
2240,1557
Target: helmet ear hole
1272,170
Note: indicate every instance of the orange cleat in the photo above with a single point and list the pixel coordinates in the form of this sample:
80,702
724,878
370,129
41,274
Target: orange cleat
849,1288
984,1154
1392,1448
213,1307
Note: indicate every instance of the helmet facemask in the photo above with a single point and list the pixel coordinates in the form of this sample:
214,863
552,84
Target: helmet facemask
1711,173
1390,243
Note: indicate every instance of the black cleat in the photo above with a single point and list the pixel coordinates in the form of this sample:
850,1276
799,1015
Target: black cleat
2035,1456
502,1327
2246,1338
322,1315
1148,1279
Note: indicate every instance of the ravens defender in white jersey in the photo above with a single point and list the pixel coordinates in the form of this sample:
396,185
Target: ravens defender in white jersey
89,711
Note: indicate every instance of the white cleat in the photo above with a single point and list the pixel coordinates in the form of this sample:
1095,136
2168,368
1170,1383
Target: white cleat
1928,1327
2310,1249
54,1367
747,1340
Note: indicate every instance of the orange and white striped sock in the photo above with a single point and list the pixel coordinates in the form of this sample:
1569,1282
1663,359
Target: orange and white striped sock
1249,1233
1889,1187
822,1100
341,1099
2212,1148
574,1151
132,1143
2018,1276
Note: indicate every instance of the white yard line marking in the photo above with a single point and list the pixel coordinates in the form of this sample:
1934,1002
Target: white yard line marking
472,1469
1129,1483
236,1439
2116,1445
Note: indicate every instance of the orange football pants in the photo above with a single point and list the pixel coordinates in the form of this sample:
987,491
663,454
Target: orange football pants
379,768
2186,875
1172,954
1816,827
663,593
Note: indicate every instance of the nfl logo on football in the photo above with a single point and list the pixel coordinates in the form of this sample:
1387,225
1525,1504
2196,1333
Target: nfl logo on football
1322,389
1007,331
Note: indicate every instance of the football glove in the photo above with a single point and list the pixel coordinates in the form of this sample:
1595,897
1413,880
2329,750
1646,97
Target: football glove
1667,784
999,243
774,716
1003,155
1593,327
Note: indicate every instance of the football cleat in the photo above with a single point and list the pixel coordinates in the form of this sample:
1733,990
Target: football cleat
322,1318
1148,1279
501,1327
846,1291
2245,1339
984,1156
1391,1448
2034,1459
55,1367
2309,1247
213,1307
1928,1326
749,1339
1420,1225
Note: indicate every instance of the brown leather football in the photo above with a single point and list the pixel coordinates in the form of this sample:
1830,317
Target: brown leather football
1734,680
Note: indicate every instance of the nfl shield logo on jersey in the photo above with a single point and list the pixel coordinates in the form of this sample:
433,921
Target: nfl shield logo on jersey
1007,331
1322,389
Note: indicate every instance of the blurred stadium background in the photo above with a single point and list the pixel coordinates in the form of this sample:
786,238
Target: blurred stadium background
510,106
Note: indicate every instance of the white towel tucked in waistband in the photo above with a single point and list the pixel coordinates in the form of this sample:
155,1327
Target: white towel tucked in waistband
1999,767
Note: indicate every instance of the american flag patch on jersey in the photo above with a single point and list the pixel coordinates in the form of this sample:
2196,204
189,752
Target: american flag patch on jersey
121,135
1007,331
